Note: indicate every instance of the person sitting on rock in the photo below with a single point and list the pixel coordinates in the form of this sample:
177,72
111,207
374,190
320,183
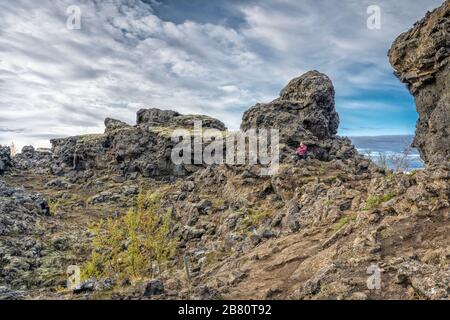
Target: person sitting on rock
302,151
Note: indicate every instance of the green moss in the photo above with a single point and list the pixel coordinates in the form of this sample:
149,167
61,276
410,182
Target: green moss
374,201
89,138
254,218
163,131
322,169
344,221
128,246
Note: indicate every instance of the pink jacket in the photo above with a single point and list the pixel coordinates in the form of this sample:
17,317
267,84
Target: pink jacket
302,150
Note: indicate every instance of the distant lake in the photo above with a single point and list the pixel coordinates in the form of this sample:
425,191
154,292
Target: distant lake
390,146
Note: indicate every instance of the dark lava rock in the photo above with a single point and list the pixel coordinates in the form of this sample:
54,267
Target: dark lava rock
421,58
5,159
154,288
304,112
113,124
127,151
19,209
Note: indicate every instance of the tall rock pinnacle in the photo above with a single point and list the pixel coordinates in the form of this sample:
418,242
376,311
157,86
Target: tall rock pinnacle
305,108
421,58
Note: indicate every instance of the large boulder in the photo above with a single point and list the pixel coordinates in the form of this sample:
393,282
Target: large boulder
305,108
154,116
113,124
304,112
5,159
420,58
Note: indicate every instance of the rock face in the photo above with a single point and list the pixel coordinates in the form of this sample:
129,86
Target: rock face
305,107
305,111
420,58
172,119
5,159
113,124
125,150
30,158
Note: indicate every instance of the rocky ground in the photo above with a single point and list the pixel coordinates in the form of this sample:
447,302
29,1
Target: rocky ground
316,229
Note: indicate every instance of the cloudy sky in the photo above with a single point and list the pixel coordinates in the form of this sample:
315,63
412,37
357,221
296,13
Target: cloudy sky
197,56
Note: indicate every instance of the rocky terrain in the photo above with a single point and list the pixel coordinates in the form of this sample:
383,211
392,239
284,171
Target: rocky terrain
141,227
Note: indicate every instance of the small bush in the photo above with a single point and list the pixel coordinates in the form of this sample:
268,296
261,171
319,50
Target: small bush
128,246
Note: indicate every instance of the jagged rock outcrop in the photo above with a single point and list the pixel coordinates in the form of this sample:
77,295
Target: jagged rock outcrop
113,124
305,111
5,159
305,107
128,151
421,58
38,160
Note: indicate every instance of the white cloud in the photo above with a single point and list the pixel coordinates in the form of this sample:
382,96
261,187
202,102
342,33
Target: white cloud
59,82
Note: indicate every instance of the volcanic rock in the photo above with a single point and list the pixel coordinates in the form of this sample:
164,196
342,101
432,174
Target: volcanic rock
113,124
5,159
18,209
30,158
305,107
126,150
154,288
420,58
304,112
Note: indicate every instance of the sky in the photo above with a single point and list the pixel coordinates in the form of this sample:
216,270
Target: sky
197,57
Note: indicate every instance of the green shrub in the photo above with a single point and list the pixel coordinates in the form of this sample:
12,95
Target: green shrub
54,205
128,246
